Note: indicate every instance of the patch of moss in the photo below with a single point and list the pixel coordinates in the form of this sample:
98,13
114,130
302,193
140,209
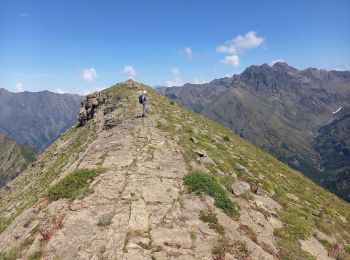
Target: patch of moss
203,182
74,185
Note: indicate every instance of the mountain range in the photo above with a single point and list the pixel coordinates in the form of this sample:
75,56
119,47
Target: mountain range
36,119
277,107
172,185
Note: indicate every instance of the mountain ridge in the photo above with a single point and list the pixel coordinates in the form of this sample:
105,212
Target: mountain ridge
36,118
136,202
14,158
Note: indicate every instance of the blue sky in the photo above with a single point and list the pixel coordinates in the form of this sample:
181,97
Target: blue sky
85,45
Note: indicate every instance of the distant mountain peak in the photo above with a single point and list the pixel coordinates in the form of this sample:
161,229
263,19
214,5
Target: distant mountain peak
2,90
283,66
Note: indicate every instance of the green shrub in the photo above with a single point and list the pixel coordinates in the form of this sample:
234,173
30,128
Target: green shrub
226,138
74,185
106,219
204,182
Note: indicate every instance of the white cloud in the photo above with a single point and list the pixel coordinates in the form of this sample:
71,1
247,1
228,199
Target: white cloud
19,87
175,71
232,60
341,67
81,92
275,61
199,81
237,46
59,91
241,43
177,81
129,71
89,74
187,52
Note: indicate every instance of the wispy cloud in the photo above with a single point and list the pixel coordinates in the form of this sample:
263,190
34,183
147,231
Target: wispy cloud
19,87
341,67
23,15
129,71
177,81
79,91
89,74
238,46
199,81
187,53
275,61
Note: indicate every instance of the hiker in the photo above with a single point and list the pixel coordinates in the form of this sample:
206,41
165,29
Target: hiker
143,101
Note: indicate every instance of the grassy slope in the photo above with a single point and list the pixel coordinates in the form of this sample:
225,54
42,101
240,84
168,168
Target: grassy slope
275,176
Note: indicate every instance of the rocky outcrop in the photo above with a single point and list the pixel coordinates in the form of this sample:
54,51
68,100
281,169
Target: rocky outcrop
87,108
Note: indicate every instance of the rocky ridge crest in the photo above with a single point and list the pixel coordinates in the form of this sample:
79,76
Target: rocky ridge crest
137,206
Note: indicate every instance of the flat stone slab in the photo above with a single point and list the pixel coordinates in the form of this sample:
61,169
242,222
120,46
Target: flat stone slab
267,203
240,187
171,237
138,217
315,248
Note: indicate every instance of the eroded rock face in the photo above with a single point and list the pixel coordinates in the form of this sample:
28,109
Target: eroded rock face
88,107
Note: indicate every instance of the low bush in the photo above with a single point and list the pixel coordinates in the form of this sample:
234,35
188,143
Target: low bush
204,182
106,219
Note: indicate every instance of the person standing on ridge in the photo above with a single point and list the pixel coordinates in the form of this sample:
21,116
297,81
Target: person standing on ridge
143,101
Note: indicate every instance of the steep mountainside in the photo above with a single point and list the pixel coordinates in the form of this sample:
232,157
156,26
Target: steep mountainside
36,119
14,158
278,108
174,185
333,146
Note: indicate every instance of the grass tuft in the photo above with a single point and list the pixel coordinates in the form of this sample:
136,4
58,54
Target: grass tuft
204,182
74,185
106,219
212,220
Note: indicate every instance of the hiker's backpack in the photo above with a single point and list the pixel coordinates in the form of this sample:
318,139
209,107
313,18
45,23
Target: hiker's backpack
140,99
